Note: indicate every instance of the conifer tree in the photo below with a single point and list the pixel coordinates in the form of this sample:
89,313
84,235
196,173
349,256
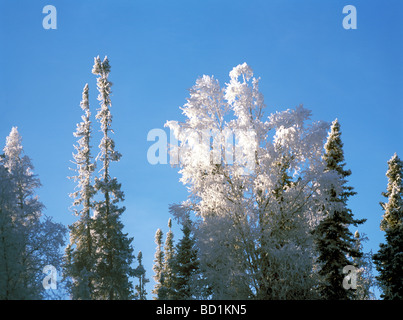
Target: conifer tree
114,254
169,256
364,276
11,244
24,180
334,241
140,273
80,253
186,265
29,239
158,266
389,259
17,218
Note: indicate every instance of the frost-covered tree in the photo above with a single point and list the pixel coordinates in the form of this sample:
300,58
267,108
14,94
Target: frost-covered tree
389,259
140,273
163,265
186,264
80,253
29,240
11,244
169,256
253,183
335,243
24,181
365,279
158,266
114,252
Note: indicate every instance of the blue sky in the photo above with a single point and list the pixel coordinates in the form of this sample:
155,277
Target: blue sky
157,49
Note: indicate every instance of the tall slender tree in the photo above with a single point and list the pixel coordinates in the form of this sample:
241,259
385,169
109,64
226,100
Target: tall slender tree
113,267
158,266
389,259
364,277
169,256
335,243
80,253
140,273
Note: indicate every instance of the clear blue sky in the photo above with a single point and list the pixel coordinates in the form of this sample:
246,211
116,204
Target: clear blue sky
157,49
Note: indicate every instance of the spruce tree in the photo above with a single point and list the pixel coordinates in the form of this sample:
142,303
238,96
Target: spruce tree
364,276
114,254
11,244
158,267
389,259
140,273
24,180
169,256
80,253
30,240
334,241
186,265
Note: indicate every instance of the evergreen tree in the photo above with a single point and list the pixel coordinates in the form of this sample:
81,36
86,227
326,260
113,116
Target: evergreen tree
24,181
365,279
158,267
169,256
80,253
114,253
11,244
29,240
186,265
334,241
389,259
140,272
